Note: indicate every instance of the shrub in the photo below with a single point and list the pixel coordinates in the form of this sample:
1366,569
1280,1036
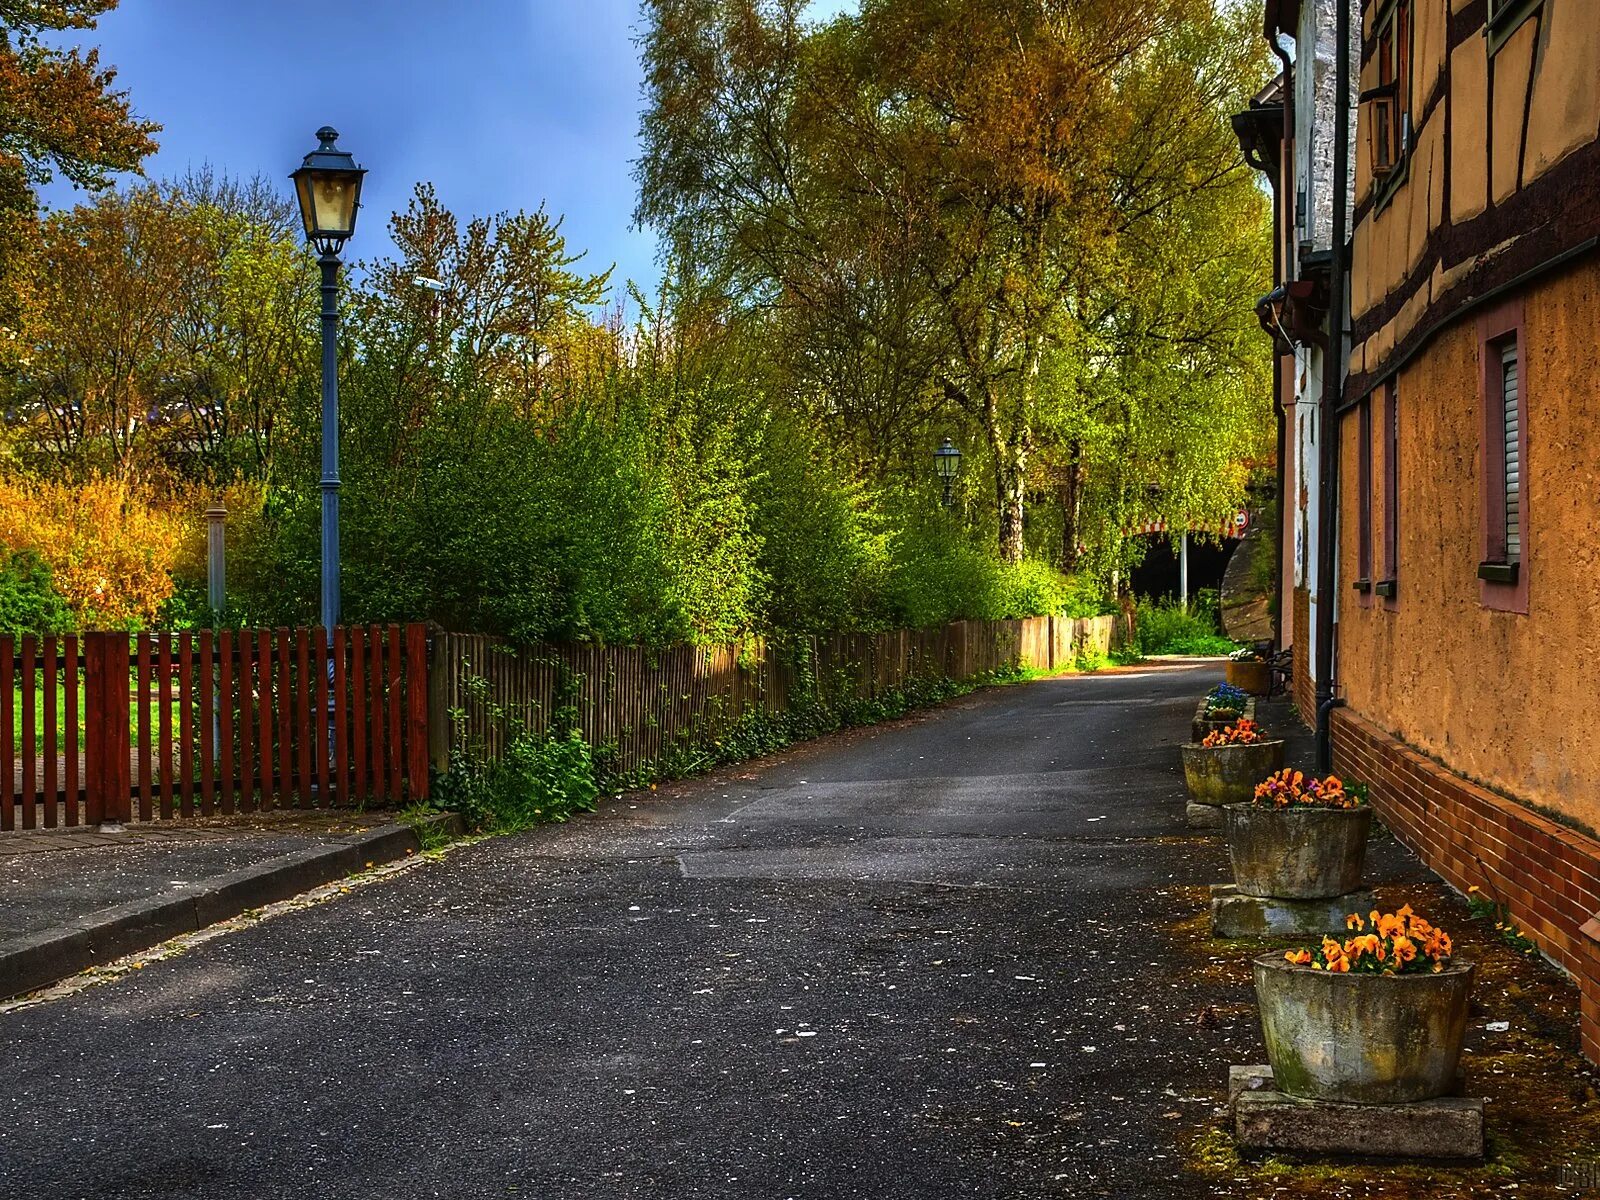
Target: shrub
29,602
935,574
537,778
1166,627
1086,596
1031,588
110,548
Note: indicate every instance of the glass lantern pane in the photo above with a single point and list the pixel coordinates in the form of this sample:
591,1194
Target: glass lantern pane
302,185
335,197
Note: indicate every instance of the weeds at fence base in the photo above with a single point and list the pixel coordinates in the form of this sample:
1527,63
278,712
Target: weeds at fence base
431,835
546,777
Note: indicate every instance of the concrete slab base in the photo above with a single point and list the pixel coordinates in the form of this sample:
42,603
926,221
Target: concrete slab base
1260,918
1204,816
1449,1128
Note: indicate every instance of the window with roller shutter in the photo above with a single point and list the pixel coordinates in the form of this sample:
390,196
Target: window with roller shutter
1503,460
1511,473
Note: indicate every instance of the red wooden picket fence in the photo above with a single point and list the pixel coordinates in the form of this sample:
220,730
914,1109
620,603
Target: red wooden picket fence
104,726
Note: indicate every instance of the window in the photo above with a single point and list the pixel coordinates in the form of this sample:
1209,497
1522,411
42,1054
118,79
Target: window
1390,126
1363,584
1389,580
1505,18
1503,460
1510,475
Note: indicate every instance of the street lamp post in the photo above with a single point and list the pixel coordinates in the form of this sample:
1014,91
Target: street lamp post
328,185
946,462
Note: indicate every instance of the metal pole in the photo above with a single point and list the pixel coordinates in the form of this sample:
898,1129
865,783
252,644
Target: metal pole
1183,568
216,560
329,262
217,598
1332,397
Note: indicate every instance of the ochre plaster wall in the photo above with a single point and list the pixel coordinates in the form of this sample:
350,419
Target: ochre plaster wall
1501,176
1505,699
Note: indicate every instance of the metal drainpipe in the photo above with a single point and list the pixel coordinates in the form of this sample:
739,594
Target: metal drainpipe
1332,393
1280,267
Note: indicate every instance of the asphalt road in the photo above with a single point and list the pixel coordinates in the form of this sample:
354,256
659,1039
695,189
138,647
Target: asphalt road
929,960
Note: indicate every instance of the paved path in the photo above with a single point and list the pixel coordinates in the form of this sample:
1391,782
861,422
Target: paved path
50,877
933,960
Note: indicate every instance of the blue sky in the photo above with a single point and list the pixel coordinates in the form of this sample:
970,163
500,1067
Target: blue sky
501,103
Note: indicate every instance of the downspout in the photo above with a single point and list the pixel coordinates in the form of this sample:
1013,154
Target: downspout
1332,393
1280,263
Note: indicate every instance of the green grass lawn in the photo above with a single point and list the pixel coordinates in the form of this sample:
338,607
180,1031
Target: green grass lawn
61,719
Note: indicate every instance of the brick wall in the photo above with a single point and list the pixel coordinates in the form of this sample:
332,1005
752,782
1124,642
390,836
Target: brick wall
1305,691
1547,874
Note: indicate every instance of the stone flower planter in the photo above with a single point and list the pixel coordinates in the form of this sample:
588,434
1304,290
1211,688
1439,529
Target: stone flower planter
1360,1038
1229,774
1253,677
1297,853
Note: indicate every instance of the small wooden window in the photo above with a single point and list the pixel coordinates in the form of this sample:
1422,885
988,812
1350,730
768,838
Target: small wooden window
1390,102
1509,450
1505,18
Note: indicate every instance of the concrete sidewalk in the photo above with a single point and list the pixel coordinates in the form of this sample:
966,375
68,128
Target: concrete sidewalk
77,897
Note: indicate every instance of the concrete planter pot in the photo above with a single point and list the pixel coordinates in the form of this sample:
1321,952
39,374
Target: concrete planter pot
1253,677
1362,1039
1229,774
1297,853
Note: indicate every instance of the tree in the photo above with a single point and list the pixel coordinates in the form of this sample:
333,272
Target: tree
109,280
166,325
242,340
508,309
948,187
58,113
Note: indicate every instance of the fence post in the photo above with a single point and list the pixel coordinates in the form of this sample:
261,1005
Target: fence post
419,700
107,748
442,665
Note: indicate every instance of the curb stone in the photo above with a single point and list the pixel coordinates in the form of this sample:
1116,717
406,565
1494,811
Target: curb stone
36,960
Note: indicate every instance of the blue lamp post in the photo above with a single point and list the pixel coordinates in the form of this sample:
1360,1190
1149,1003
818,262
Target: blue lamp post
946,462
328,185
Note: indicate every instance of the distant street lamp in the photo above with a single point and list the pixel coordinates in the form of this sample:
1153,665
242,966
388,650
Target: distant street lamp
328,185
947,461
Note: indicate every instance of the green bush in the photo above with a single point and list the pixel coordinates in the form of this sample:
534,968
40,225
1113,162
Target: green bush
29,602
642,508
1031,589
1166,627
1086,596
934,573
536,779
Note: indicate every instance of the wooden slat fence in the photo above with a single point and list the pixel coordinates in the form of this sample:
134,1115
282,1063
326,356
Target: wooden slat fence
642,704
164,726
168,726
